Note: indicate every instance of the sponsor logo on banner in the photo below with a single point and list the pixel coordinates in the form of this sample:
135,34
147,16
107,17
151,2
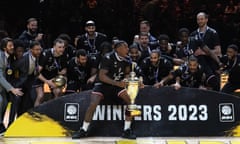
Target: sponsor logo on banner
71,112
226,112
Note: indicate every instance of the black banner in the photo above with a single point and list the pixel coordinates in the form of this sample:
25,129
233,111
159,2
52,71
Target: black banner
165,112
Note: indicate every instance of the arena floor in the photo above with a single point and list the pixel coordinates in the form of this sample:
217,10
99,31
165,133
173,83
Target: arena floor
116,140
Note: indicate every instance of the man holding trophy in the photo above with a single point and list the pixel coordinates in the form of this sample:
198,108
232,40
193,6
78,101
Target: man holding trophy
111,83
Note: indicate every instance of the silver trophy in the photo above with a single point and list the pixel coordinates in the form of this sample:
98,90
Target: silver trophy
133,84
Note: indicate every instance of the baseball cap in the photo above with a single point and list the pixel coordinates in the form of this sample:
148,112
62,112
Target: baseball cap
90,23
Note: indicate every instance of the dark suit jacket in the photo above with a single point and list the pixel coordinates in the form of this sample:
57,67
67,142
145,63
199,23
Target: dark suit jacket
22,66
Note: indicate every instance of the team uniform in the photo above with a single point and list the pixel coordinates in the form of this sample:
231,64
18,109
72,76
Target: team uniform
184,52
153,74
70,51
169,53
233,69
116,67
92,46
189,79
153,42
27,38
211,39
77,75
51,64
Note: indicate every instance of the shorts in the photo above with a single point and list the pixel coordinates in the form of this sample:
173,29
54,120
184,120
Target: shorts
38,83
108,92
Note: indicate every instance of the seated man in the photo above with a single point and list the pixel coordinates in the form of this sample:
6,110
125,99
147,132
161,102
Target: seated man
154,68
79,73
110,84
231,63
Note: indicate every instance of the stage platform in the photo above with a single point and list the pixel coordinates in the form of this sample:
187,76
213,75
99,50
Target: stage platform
168,98
118,140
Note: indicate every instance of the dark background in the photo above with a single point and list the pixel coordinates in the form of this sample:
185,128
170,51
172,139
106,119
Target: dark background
118,17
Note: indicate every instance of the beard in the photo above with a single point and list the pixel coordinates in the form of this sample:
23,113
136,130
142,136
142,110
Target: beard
33,32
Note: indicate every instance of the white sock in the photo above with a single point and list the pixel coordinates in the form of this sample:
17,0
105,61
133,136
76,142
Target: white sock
127,125
85,125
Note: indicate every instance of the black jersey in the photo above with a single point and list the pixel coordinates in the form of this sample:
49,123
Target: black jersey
210,37
184,52
27,38
70,51
152,74
51,65
115,66
92,46
188,79
77,72
233,68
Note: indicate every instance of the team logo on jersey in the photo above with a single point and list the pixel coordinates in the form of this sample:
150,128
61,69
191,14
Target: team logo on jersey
71,112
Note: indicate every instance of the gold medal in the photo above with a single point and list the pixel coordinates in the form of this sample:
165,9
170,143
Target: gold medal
9,72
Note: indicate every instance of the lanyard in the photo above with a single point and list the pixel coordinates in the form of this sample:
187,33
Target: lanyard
9,71
148,49
201,35
8,63
156,74
57,64
91,45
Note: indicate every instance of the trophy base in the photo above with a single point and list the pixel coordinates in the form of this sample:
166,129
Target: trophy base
135,112
132,110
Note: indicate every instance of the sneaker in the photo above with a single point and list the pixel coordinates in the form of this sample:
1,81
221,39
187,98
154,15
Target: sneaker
2,130
79,134
129,134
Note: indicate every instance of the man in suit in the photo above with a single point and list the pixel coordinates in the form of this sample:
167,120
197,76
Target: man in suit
6,71
27,68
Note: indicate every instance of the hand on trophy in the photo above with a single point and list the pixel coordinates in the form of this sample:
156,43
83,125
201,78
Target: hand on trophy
59,81
51,84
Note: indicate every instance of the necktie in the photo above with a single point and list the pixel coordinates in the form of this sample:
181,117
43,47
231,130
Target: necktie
31,65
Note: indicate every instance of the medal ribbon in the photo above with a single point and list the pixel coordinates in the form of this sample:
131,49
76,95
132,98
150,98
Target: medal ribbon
57,64
156,75
92,45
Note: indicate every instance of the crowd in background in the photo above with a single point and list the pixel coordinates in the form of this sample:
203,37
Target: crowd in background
121,18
